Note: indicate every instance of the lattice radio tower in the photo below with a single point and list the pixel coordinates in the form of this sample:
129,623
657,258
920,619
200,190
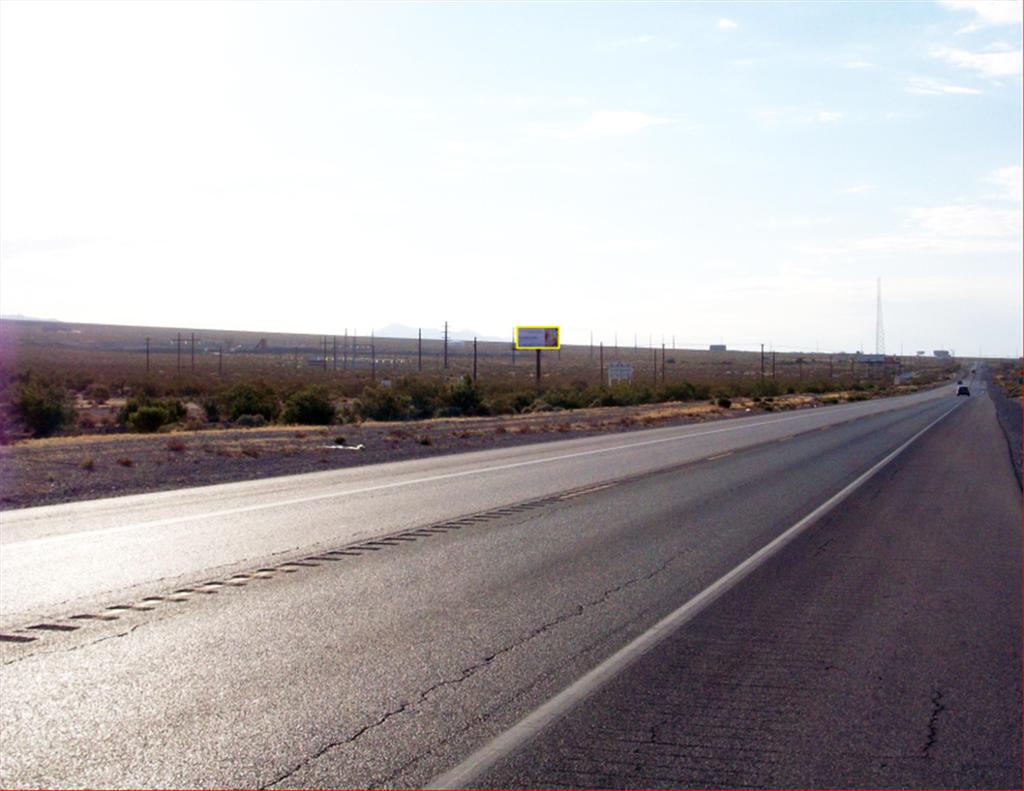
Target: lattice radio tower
879,329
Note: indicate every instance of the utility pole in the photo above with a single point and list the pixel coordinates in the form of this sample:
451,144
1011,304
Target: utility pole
325,353
600,379
663,362
538,368
773,364
419,349
179,354
654,359
474,359
762,361
446,345
513,348
344,350
334,352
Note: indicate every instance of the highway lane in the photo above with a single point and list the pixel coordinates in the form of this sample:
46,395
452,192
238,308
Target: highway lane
389,667
133,546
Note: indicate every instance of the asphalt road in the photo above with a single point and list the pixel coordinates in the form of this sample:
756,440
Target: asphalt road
390,663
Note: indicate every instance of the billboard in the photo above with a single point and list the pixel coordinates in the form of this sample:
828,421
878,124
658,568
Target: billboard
537,338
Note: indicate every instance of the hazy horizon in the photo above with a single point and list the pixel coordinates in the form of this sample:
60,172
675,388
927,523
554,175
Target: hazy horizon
718,172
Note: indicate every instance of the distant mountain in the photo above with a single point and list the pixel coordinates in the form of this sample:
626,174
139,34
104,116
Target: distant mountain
20,317
432,333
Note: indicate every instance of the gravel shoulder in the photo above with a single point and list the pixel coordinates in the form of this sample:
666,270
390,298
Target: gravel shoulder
67,469
1008,411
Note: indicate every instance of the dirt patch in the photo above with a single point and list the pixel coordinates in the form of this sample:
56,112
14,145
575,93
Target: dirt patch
64,469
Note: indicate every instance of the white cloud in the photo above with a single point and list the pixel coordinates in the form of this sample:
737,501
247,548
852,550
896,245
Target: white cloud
826,117
857,64
967,221
990,64
601,123
618,122
857,189
988,13
630,41
792,223
726,24
1010,179
926,86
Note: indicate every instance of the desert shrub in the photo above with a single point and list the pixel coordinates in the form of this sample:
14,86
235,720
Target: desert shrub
565,398
724,402
78,382
44,407
252,399
816,386
148,418
462,398
145,414
212,410
505,403
766,388
99,393
312,406
682,391
381,403
624,394
424,397
250,421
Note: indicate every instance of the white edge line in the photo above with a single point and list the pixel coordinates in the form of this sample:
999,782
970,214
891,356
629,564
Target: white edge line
503,745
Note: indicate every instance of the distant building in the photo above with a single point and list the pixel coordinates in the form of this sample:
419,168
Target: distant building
942,354
716,347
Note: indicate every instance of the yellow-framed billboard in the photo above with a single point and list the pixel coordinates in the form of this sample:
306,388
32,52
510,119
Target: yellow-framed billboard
537,337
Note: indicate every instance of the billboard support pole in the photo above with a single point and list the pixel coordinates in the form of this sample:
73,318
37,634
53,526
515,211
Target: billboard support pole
538,367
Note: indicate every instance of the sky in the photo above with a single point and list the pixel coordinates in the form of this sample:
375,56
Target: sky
736,173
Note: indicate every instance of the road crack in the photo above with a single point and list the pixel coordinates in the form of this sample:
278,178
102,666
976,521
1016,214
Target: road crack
937,708
464,674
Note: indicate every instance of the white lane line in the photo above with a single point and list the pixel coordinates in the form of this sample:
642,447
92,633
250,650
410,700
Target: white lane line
467,773
245,509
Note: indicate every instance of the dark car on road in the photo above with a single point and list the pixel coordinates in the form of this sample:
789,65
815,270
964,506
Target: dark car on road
963,390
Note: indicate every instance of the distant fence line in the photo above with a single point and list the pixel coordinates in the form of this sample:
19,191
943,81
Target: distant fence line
383,358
